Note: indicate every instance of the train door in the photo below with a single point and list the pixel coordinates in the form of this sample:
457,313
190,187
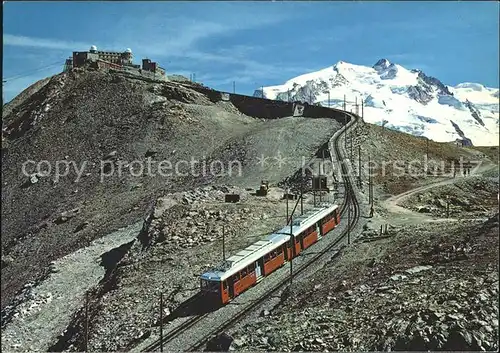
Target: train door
231,281
258,271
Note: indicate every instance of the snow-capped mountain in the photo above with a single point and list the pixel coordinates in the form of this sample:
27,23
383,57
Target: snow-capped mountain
402,99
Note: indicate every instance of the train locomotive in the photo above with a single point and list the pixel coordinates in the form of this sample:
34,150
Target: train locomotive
249,266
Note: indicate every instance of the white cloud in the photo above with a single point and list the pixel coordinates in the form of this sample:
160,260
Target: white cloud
179,39
45,43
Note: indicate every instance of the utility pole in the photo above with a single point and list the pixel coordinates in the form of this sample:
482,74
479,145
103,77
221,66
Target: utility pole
328,99
362,109
286,196
369,181
234,86
223,244
359,166
344,103
345,132
3,82
161,321
262,87
301,196
350,134
349,224
292,240
86,321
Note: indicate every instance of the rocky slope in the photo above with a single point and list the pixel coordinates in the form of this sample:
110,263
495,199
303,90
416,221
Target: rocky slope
401,99
105,127
441,295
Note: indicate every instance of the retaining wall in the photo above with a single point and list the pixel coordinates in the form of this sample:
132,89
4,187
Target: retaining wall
271,109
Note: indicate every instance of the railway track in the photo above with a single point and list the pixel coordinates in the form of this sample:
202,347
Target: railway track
349,201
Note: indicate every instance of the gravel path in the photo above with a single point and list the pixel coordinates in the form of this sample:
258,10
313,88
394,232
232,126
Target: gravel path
402,215
49,306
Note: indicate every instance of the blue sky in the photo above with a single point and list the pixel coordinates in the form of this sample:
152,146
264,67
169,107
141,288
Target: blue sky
255,43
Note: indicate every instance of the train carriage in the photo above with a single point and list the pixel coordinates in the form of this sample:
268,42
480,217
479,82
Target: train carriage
243,270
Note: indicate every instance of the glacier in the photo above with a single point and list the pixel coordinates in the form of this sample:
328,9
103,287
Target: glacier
402,99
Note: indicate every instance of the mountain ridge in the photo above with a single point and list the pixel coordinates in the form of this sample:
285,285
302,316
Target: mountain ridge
407,99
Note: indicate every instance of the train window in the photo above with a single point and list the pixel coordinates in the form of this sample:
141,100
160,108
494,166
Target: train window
243,272
211,286
224,285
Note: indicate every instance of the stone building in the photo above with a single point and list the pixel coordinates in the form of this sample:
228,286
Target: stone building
152,66
114,60
93,55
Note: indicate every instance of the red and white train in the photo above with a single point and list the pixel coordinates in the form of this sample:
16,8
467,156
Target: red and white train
249,266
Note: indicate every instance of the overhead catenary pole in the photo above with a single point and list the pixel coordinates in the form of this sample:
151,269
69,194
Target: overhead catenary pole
328,99
350,139
362,109
344,103
161,321
234,87
301,196
369,180
86,321
223,244
349,224
359,166
292,255
321,172
345,132
286,196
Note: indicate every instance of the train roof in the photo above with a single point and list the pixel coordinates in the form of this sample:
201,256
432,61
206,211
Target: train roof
252,253
309,218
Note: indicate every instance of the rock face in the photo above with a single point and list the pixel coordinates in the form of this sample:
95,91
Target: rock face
432,81
465,140
476,114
